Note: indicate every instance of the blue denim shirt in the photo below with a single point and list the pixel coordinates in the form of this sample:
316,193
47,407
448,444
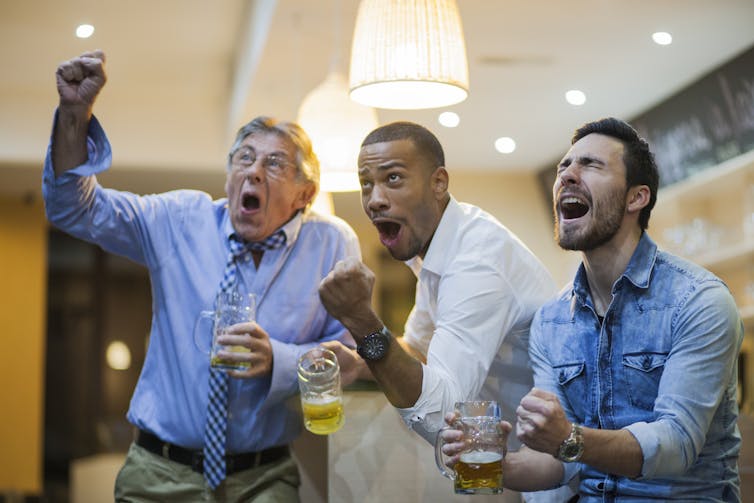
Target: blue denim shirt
662,365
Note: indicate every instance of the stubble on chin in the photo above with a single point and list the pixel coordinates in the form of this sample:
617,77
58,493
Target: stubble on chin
567,240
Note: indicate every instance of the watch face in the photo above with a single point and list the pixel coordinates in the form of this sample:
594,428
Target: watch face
374,346
572,447
571,450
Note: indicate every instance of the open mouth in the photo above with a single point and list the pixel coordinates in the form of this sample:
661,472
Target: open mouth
250,202
573,207
388,231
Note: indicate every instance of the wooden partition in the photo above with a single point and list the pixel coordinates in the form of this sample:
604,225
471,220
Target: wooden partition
23,256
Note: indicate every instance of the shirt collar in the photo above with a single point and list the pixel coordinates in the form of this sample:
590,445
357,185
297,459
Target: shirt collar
638,271
291,228
436,256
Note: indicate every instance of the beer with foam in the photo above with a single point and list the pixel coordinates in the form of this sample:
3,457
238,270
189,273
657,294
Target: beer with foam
480,472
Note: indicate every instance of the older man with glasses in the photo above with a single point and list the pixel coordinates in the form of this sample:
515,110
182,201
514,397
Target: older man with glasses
204,434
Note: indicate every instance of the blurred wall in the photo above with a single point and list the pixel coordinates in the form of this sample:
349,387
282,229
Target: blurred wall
23,299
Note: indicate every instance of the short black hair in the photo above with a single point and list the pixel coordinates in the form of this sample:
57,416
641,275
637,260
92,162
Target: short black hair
424,140
641,168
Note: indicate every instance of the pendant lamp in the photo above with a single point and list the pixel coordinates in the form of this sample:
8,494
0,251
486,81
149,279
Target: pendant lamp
336,126
408,54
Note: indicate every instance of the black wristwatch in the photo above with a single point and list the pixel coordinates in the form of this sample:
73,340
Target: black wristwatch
374,346
572,447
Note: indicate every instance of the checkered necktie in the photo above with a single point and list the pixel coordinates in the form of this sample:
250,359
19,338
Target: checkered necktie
217,409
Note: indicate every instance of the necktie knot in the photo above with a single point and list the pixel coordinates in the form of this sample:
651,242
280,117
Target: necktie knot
240,247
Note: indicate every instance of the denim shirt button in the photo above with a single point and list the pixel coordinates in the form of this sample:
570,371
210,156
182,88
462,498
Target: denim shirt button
646,363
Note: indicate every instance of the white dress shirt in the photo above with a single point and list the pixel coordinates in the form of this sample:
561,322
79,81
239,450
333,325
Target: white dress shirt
477,290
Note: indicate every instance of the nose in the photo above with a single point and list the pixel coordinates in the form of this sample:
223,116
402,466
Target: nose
569,175
376,199
255,173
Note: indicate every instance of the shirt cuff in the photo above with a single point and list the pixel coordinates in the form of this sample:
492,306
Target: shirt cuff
284,377
649,443
570,470
99,154
426,417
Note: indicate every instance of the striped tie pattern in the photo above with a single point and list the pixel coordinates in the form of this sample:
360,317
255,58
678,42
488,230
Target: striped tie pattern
217,409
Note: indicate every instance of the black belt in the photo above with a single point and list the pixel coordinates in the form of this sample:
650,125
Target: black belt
195,458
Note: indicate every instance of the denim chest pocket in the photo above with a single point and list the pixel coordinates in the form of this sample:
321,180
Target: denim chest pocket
571,378
643,372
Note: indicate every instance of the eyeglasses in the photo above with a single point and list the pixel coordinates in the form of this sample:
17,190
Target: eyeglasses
244,158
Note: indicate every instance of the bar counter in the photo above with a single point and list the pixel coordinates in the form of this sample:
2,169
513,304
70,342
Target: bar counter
374,457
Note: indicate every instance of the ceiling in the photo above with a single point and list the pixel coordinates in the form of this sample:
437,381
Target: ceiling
185,74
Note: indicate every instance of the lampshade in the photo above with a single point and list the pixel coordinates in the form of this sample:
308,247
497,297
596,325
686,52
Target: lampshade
336,126
408,54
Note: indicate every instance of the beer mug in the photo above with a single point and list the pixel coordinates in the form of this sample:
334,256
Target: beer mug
321,394
480,468
231,308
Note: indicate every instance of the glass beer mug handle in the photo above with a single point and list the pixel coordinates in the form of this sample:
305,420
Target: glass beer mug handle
201,335
439,460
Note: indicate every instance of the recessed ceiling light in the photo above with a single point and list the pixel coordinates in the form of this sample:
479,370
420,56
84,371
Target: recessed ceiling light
662,38
449,119
505,145
575,97
84,30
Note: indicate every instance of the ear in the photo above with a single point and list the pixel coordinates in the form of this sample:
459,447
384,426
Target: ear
305,196
637,198
439,182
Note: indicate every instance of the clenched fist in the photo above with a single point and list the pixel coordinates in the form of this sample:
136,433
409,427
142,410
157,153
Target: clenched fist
81,79
346,293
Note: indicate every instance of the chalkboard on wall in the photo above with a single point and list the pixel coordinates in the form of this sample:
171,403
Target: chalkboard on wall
708,122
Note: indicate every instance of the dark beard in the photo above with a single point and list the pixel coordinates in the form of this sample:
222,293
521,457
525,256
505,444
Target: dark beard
602,229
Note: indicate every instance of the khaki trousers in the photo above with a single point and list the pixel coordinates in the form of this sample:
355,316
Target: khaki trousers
146,477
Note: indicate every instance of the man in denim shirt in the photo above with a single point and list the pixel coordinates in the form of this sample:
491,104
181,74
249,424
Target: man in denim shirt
635,362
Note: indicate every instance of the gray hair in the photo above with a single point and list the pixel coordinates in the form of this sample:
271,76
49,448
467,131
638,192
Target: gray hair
307,164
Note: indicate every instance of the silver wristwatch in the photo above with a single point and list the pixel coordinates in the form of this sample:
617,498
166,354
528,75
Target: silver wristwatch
572,447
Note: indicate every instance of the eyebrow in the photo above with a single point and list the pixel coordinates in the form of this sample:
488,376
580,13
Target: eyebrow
384,167
583,160
277,153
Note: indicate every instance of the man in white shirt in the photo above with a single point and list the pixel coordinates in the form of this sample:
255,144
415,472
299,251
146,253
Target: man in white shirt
477,290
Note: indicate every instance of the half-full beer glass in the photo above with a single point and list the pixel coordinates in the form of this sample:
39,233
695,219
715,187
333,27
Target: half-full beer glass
321,394
231,308
480,468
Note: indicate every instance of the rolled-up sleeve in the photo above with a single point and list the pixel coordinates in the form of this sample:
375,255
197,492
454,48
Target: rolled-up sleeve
698,373
466,339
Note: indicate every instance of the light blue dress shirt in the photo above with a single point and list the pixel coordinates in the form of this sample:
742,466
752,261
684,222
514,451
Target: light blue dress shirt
182,238
662,365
